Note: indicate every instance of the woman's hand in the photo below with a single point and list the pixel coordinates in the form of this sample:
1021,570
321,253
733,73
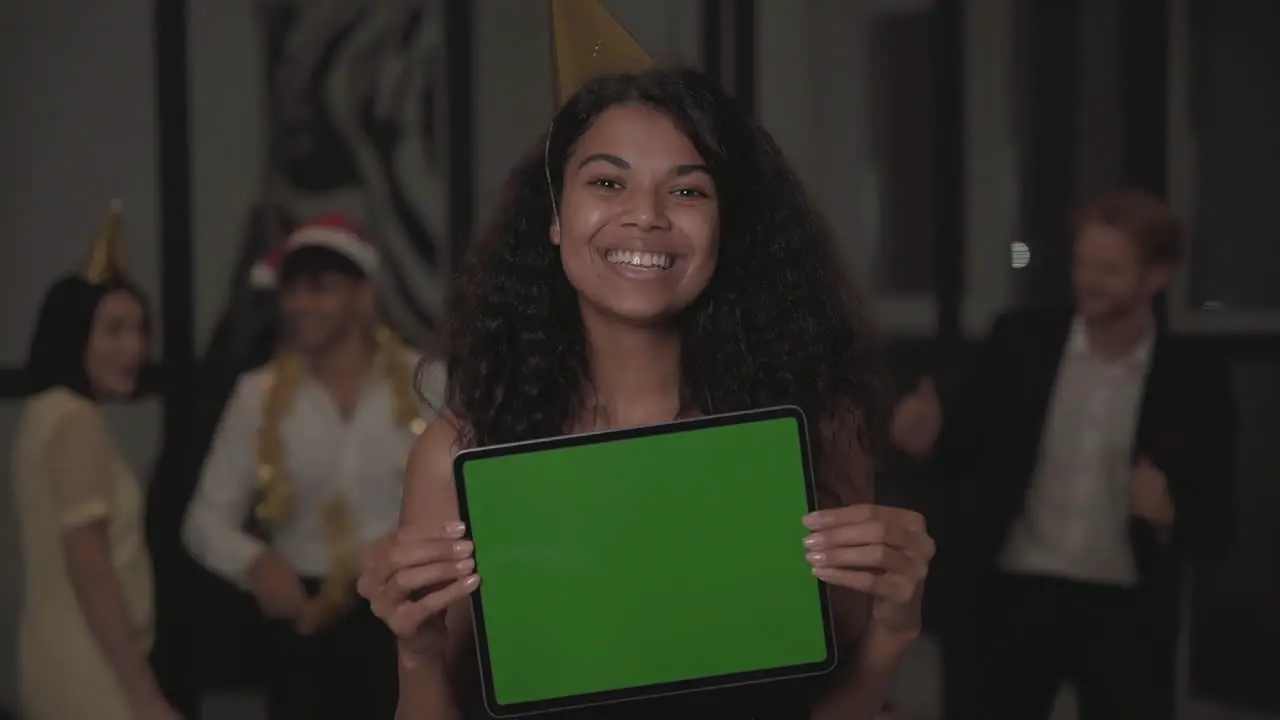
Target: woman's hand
882,551
409,578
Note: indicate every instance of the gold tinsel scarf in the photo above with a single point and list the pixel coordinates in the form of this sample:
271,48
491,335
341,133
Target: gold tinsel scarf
275,493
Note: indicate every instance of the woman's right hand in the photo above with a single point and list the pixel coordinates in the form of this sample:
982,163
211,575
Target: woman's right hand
411,576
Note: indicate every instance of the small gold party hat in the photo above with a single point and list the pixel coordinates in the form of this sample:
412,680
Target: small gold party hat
587,42
106,254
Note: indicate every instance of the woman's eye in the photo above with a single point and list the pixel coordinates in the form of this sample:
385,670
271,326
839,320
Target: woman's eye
690,193
606,183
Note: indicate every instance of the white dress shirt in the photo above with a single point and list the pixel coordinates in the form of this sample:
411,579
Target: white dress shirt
1075,524
361,457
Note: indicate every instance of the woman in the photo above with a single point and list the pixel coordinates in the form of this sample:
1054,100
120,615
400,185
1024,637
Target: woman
86,619
673,268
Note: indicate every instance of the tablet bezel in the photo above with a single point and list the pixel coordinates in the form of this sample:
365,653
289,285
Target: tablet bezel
499,710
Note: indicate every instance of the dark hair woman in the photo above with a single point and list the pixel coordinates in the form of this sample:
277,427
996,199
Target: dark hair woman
656,258
87,616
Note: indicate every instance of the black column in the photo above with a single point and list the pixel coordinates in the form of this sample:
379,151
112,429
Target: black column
174,653
1144,78
1144,32
713,39
1048,42
729,46
949,168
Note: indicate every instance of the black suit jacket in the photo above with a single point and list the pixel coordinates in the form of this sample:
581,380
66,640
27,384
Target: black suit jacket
990,444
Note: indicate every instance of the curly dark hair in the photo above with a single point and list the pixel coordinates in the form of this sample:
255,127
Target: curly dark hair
778,323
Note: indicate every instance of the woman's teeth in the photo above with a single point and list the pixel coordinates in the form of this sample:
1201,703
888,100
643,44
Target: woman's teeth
632,258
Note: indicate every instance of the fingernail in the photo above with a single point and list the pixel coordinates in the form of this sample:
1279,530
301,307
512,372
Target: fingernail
471,582
813,542
462,547
455,528
467,565
816,558
813,521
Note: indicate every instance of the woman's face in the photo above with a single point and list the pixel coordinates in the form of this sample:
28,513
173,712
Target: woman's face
117,345
639,219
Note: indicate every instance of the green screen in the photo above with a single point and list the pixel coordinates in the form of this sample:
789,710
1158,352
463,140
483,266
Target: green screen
644,560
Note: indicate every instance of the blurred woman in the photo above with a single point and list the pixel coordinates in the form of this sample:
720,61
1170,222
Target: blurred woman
87,613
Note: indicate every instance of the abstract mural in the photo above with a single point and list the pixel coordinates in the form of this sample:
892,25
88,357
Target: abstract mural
355,122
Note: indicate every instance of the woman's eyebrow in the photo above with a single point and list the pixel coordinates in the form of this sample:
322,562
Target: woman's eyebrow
606,158
683,170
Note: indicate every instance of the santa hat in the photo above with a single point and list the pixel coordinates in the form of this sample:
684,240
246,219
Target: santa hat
333,232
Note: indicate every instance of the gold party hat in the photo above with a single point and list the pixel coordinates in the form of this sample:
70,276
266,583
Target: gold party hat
106,254
587,42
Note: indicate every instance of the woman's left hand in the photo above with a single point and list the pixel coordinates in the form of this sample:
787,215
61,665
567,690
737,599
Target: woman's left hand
882,551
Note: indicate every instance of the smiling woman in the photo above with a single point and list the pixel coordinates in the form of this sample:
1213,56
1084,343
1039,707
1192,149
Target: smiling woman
662,164
655,258
638,226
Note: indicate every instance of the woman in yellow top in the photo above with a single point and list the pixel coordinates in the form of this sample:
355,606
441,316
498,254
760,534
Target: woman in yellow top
87,615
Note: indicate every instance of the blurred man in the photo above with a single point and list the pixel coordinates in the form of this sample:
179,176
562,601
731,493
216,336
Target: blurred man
1100,455
310,452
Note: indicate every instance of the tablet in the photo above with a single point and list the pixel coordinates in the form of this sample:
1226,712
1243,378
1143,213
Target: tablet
643,562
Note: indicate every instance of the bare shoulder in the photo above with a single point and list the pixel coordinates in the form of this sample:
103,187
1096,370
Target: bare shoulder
432,455
430,377
428,489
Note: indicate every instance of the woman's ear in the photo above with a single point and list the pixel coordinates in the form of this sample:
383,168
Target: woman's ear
554,232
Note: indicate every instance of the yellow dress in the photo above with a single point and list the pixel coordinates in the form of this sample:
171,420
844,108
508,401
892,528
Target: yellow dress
68,472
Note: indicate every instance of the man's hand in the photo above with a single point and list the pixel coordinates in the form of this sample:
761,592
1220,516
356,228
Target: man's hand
277,588
917,420
1149,494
